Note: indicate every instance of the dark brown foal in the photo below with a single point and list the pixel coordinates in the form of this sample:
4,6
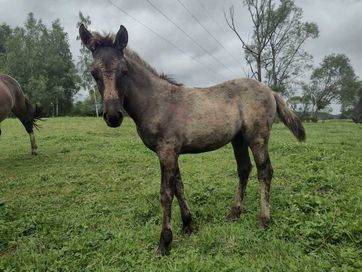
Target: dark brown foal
173,120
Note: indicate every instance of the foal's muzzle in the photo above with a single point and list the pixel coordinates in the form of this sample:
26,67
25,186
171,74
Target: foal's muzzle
112,112
113,119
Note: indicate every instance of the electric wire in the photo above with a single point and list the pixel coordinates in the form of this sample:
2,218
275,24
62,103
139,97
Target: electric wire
188,36
211,35
164,39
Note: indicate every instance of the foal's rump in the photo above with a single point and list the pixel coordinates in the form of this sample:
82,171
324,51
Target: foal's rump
6,100
260,106
214,115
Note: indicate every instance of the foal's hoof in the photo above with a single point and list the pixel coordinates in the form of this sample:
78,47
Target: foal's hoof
162,251
234,214
164,245
187,230
263,223
34,153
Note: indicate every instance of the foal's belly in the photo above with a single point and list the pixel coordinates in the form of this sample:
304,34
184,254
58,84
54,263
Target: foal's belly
205,144
210,131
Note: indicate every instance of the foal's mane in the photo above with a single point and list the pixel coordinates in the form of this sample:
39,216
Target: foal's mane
108,40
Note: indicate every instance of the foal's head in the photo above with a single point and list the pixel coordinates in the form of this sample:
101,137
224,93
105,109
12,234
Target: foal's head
109,69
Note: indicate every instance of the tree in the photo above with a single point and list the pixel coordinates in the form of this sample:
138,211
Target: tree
284,57
263,27
85,107
53,82
5,33
329,82
275,54
349,95
63,79
357,112
84,64
24,57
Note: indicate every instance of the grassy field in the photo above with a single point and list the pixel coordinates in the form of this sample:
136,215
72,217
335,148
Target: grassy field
90,202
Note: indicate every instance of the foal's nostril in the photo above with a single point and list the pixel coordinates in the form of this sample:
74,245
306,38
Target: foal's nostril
113,120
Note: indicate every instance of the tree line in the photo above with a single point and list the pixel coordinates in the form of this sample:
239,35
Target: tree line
39,58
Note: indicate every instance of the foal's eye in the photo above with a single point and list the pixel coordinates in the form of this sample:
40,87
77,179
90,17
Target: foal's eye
93,73
124,72
96,77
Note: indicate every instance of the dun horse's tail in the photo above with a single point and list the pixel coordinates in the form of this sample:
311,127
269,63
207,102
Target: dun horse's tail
289,118
35,113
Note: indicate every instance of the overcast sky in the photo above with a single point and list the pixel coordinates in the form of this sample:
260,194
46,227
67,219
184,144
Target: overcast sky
338,20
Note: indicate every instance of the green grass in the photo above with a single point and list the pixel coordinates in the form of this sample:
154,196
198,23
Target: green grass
90,202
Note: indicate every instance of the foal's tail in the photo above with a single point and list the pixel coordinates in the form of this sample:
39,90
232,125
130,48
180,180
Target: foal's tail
289,118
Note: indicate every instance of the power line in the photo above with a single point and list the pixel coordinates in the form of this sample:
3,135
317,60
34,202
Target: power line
212,36
188,36
209,14
164,39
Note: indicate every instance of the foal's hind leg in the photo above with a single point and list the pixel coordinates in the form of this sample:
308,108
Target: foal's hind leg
242,158
184,207
259,147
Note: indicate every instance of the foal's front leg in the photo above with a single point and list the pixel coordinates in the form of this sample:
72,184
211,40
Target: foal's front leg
168,162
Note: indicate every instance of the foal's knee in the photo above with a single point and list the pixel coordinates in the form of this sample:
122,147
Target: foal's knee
265,170
166,195
245,170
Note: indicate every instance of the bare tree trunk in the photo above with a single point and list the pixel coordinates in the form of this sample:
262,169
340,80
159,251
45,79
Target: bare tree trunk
274,74
56,107
258,63
95,103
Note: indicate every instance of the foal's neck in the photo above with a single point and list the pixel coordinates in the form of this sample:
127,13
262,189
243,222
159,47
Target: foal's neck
144,90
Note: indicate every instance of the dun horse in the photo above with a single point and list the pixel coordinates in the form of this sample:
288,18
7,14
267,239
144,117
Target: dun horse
13,100
173,120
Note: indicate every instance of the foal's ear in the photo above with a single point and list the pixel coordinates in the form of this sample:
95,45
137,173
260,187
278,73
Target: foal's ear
86,37
121,38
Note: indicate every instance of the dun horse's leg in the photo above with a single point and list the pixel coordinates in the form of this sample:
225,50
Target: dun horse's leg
33,143
259,148
184,207
29,128
242,158
168,161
